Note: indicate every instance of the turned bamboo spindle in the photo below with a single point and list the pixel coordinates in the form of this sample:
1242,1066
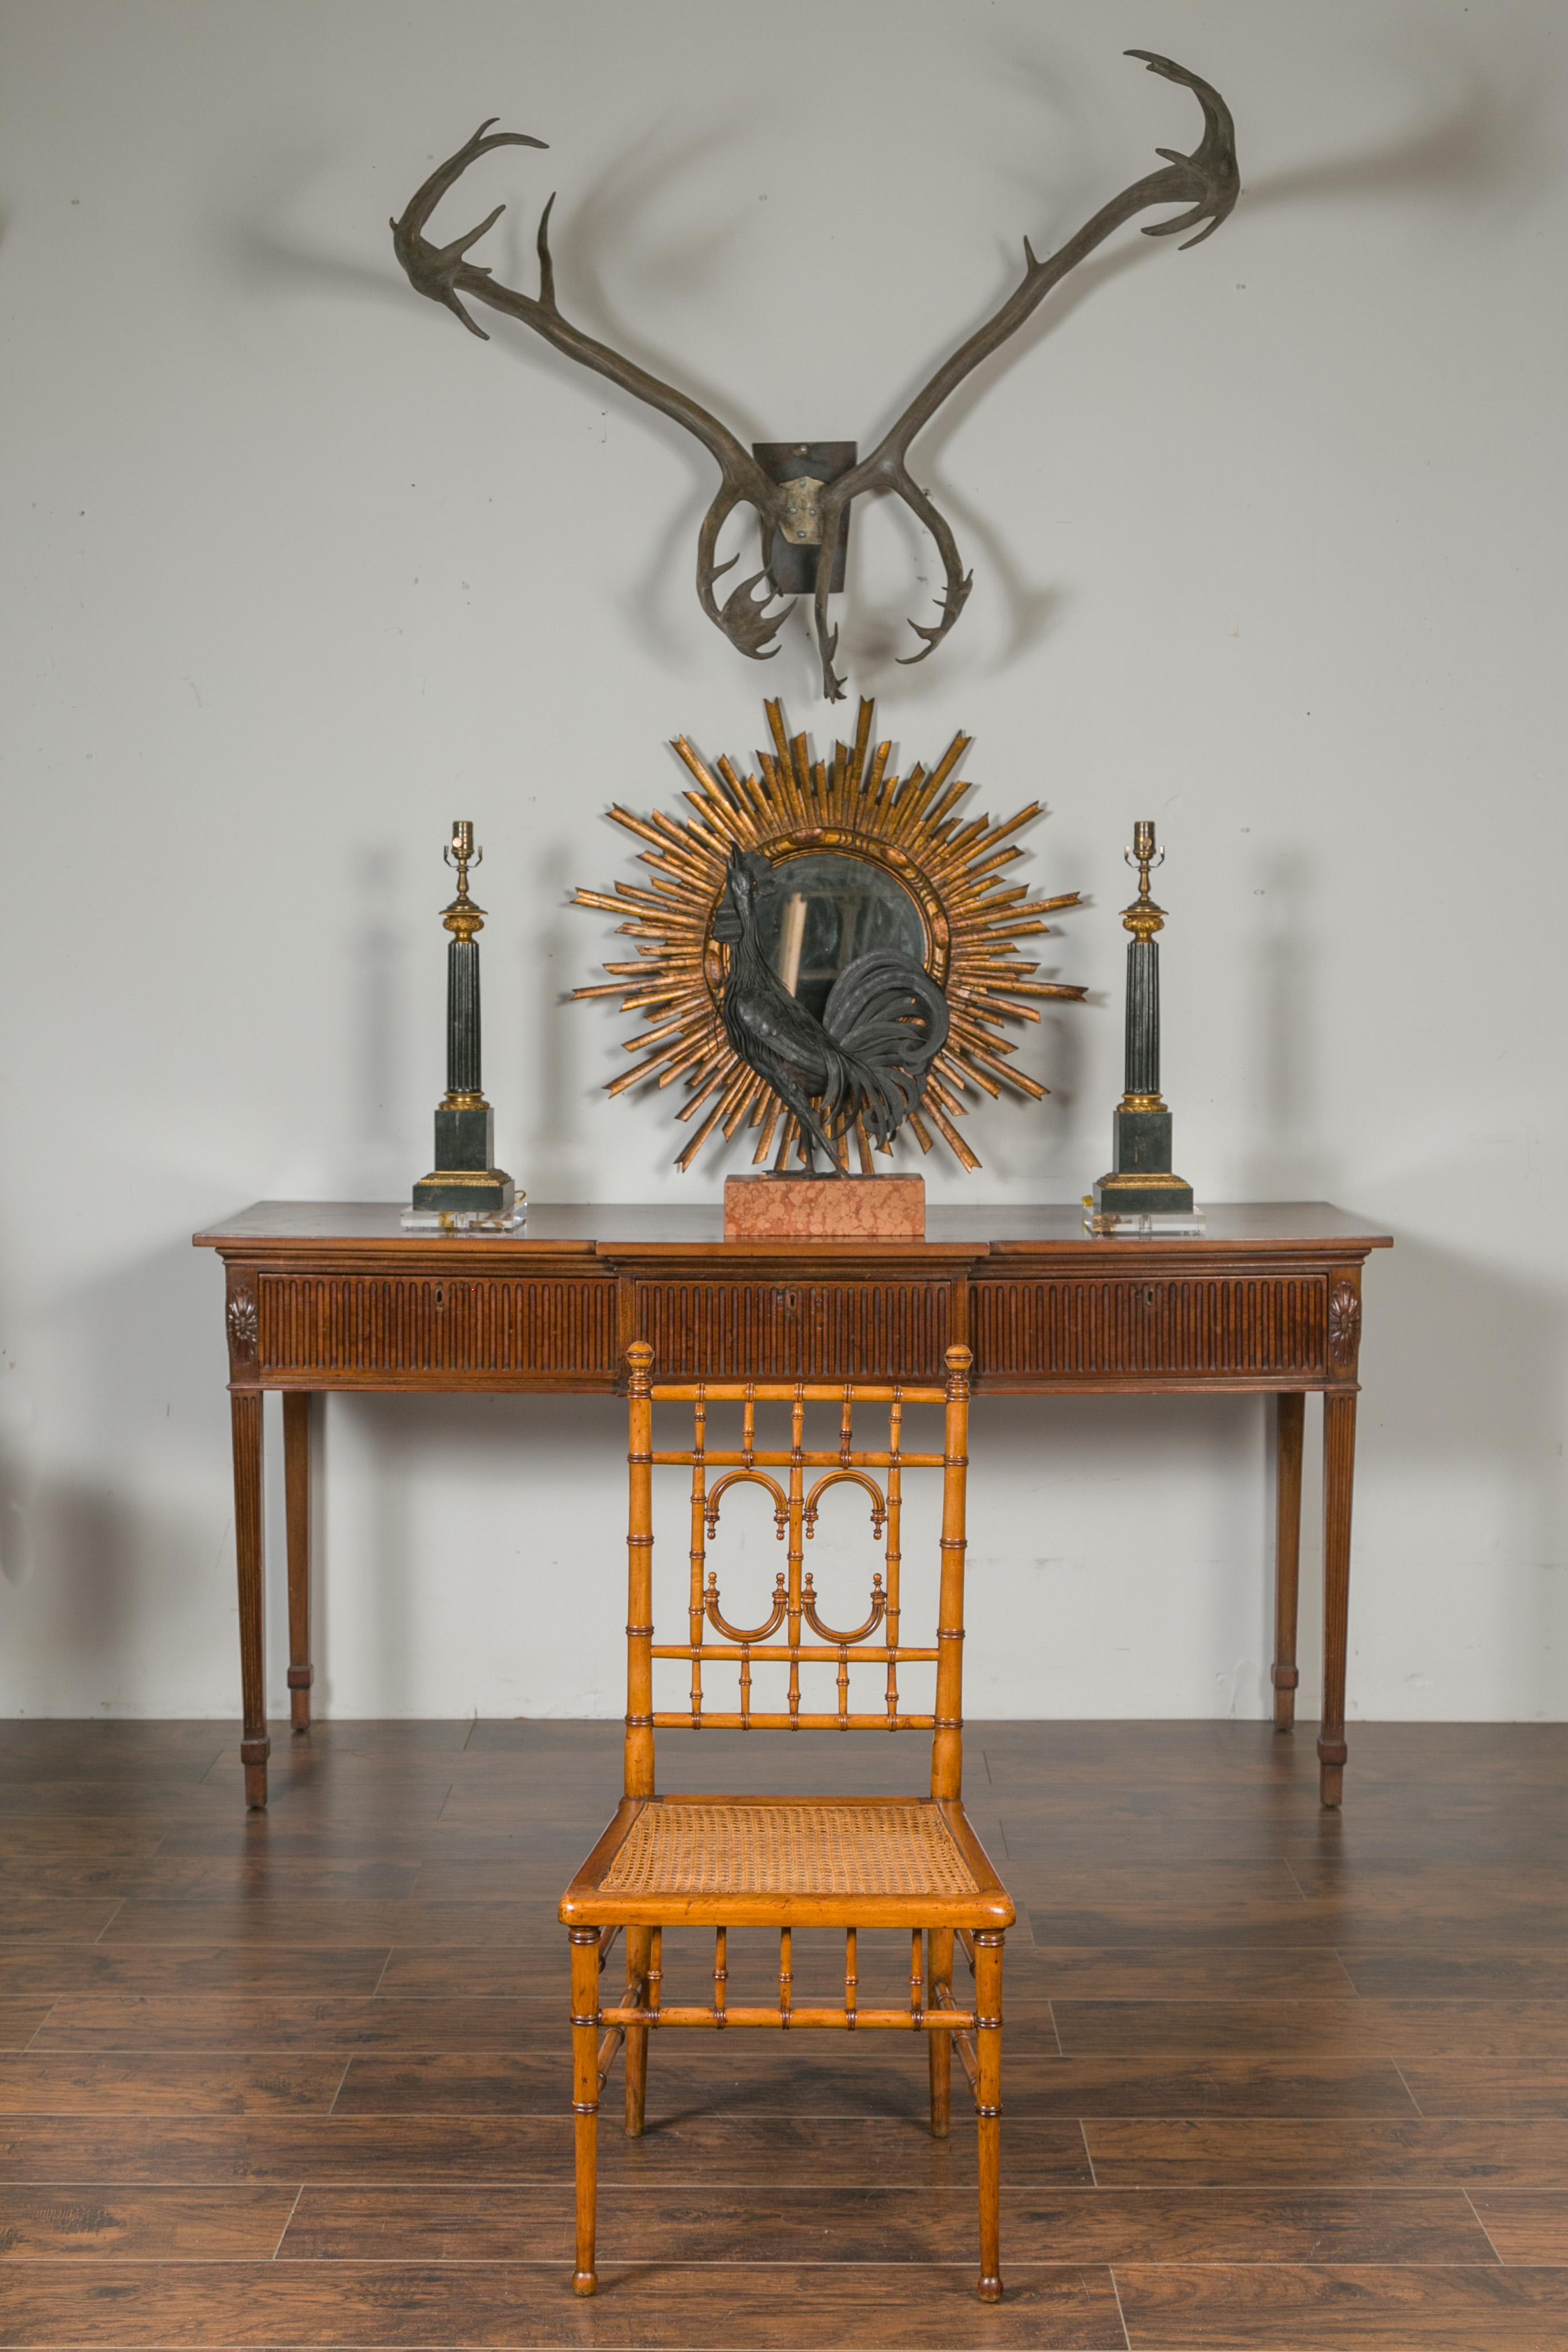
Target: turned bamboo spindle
947,1747
939,2046
586,2098
988,2108
639,1753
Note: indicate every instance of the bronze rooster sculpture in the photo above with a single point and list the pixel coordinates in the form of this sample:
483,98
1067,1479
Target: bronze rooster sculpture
883,1026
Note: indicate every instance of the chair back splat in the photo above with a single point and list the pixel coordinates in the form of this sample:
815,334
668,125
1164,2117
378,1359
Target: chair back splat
794,1632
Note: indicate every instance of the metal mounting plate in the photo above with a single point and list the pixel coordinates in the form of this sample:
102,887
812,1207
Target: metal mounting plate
811,466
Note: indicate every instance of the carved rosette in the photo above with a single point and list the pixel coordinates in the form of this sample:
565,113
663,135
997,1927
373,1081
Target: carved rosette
244,1327
1344,1323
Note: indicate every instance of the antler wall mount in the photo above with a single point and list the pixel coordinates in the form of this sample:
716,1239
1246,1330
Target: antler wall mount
1205,181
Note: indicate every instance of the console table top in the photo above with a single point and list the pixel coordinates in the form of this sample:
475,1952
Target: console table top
595,1228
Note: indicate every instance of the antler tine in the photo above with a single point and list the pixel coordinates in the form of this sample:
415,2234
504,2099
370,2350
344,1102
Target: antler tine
432,269
546,261
743,616
1212,163
956,581
827,638
443,273
1207,179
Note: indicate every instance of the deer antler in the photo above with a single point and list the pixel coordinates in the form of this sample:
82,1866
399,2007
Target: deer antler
443,273
1206,181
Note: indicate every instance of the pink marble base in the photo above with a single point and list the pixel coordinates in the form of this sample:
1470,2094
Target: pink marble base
825,1208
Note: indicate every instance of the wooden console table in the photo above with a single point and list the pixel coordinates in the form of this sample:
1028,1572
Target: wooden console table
330,1294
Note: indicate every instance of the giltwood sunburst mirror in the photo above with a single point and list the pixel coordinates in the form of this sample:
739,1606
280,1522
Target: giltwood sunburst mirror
864,859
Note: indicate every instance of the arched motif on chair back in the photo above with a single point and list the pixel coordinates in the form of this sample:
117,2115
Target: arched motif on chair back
804,1640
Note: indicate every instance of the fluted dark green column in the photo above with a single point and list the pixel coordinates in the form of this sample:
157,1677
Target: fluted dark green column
1142,1056
463,1017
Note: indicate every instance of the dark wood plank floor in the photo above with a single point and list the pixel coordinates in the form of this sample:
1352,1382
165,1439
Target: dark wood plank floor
1273,2077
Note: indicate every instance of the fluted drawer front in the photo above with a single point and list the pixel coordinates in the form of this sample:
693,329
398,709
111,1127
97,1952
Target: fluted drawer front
349,1324
1234,1325
814,1330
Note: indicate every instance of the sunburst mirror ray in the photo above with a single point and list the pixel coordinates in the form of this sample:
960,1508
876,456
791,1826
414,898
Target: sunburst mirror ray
875,859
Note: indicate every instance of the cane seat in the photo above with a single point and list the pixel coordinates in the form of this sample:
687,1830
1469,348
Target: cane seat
690,1858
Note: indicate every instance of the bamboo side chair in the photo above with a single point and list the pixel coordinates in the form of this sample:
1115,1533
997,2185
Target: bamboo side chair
785,1863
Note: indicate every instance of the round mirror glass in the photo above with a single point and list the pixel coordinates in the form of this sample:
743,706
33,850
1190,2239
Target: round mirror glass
825,910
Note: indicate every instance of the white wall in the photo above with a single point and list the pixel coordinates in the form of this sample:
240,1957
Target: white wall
1268,540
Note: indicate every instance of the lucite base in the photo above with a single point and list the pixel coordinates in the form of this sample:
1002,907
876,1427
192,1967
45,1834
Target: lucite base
467,1220
1134,1227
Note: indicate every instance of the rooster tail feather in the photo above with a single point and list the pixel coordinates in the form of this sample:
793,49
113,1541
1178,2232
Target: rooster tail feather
885,1007
886,1022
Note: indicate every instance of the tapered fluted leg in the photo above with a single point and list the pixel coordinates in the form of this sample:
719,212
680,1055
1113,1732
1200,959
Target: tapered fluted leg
296,1500
640,1941
586,2098
939,2046
1339,1478
245,1414
988,2108
1292,1415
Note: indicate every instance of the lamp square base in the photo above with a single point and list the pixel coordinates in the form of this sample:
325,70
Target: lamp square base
1142,1194
825,1208
487,1191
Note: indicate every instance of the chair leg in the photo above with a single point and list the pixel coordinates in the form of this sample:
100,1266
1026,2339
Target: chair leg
938,2045
988,2108
586,2098
639,1944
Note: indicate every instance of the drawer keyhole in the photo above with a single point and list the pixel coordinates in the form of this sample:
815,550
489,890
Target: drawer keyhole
440,1296
1149,1295
788,1299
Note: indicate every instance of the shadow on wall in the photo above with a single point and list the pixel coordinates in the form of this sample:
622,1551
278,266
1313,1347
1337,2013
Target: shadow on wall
1285,1160
557,1160
1482,138
1132,1523
1479,138
1482,133
380,1030
1462,1370
118,1589
1460,1364
477,1545
80,1557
